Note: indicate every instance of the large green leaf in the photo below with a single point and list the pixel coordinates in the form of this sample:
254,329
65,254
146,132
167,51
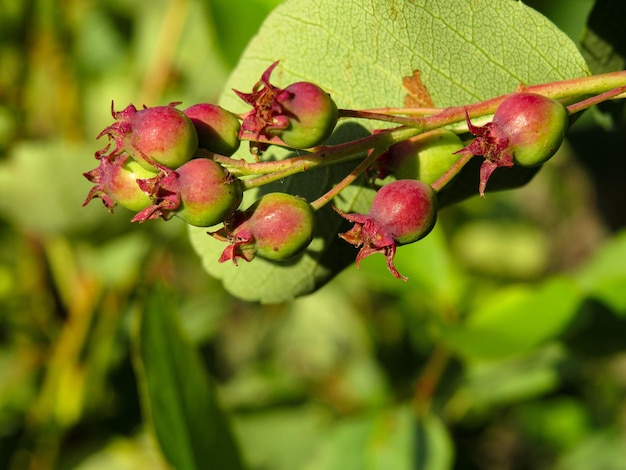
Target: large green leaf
177,395
359,51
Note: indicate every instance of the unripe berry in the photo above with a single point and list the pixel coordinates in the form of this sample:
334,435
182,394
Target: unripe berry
217,128
534,125
527,129
402,212
277,226
157,137
300,116
116,183
312,115
425,157
200,192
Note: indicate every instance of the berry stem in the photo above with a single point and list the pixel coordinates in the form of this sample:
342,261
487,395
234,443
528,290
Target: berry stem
607,95
325,155
348,180
405,111
605,86
575,88
454,170
364,114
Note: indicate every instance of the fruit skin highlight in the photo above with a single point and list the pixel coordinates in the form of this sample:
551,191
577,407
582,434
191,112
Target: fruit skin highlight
402,212
277,226
527,129
158,137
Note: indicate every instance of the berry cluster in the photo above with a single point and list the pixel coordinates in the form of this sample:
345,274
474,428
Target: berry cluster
163,162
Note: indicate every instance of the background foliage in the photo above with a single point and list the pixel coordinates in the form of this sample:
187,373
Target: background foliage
504,351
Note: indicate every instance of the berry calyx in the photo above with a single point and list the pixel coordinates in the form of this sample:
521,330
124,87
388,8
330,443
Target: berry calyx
162,136
217,128
116,183
301,115
200,192
277,227
402,212
527,129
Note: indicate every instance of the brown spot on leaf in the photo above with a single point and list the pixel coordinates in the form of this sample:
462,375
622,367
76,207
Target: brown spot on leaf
417,95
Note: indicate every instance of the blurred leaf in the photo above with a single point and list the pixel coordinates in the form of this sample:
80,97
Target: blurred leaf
282,438
561,423
390,439
602,450
432,272
42,187
604,276
449,42
177,394
236,22
604,48
515,320
502,383
502,249
118,261
604,43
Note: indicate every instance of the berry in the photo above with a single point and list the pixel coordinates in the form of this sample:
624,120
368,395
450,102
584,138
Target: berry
277,226
527,129
157,137
425,157
312,115
116,183
217,128
301,116
402,212
200,192
534,125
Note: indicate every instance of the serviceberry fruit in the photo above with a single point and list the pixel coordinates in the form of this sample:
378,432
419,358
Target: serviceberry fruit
527,129
425,157
162,136
217,128
402,212
116,183
200,192
301,115
277,226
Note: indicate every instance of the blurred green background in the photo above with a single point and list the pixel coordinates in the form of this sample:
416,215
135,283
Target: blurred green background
349,370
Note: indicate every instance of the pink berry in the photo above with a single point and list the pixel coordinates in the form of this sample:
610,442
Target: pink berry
301,115
116,183
277,226
200,192
402,212
157,137
527,129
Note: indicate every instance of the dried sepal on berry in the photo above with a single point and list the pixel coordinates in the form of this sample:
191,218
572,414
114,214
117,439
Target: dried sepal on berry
402,212
527,129
201,193
302,115
157,137
277,226
116,182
